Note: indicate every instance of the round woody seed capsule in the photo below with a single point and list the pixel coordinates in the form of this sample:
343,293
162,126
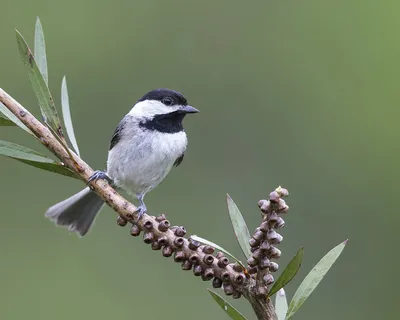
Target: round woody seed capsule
228,289
186,265
252,262
179,256
264,263
208,274
272,218
268,279
264,226
121,221
155,245
274,253
180,231
135,231
163,225
266,207
257,255
219,255
274,237
208,259
161,217
237,267
279,223
225,277
208,250
223,262
274,197
265,246
238,278
193,258
179,242
148,225
163,240
197,270
252,270
261,203
217,283
284,192
258,236
167,251
148,237
253,243
273,266
193,244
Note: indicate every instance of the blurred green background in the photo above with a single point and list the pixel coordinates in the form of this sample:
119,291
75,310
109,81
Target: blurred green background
302,94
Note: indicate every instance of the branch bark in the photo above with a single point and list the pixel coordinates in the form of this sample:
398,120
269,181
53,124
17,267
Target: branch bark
157,230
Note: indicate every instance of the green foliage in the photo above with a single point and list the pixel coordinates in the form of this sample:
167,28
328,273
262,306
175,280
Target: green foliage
40,51
312,280
239,226
67,115
33,158
227,307
4,122
288,274
39,85
281,305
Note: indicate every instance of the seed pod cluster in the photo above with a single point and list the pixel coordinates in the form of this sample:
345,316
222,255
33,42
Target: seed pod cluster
192,255
265,237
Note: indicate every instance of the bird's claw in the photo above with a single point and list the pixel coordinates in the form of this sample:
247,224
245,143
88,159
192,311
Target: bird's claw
98,174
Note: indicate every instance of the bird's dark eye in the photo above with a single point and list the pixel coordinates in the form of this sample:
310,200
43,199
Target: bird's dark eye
167,101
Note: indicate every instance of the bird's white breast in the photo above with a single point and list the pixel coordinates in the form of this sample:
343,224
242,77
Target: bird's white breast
143,158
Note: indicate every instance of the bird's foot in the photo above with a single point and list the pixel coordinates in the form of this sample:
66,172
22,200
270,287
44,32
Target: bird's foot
98,174
141,210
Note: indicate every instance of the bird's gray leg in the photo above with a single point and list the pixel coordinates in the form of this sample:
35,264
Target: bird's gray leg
141,209
98,174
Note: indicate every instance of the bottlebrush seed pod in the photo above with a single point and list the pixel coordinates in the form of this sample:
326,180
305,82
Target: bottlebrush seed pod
237,267
148,237
162,240
148,225
135,231
274,197
252,262
121,221
186,265
264,263
279,223
226,277
167,251
179,242
264,226
161,217
223,262
163,225
155,245
272,218
208,274
193,258
252,270
219,255
193,244
238,278
208,250
180,231
274,253
257,255
208,259
253,243
228,289
261,203
273,266
268,279
217,283
258,236
197,270
265,246
179,256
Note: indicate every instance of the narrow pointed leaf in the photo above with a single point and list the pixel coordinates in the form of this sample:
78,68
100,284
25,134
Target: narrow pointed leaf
67,115
232,312
4,122
312,280
33,158
239,226
289,272
212,244
9,115
40,51
40,87
281,305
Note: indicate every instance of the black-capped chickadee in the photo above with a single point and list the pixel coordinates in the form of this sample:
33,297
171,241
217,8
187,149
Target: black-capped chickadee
147,143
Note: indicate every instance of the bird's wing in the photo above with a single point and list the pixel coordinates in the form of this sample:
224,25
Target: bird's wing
179,160
117,135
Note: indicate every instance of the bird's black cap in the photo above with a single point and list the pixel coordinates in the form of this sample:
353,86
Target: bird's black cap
167,96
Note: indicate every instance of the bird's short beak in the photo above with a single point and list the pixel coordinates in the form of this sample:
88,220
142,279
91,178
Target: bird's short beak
188,109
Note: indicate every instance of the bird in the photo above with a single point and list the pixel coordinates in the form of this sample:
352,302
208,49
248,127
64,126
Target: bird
146,144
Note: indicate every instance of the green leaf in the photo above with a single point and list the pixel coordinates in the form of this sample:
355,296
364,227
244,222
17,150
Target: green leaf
212,244
67,115
33,158
312,280
289,272
239,226
281,305
4,122
40,51
9,115
40,87
232,312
